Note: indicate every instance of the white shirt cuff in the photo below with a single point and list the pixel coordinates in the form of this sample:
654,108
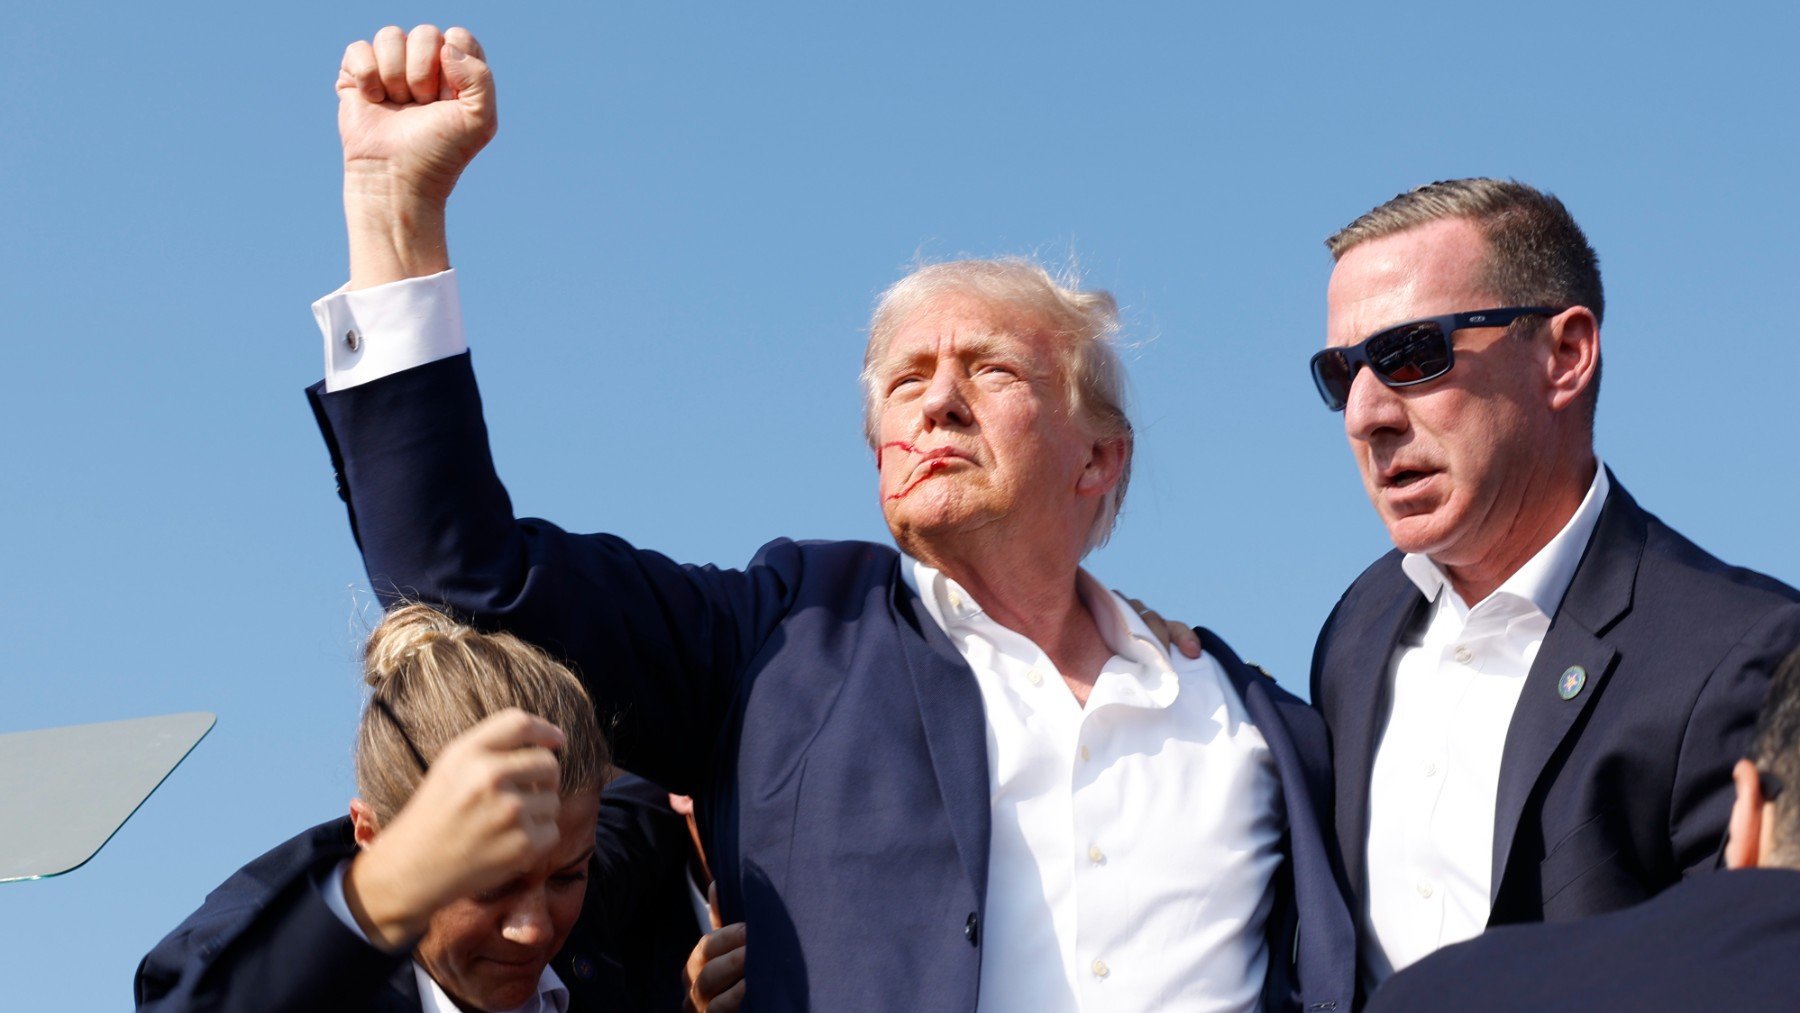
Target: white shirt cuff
375,332
333,889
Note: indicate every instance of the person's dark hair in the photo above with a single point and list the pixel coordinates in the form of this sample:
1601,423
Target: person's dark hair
1777,751
1539,257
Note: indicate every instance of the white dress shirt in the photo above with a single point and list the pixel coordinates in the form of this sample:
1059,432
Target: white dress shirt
552,995
1134,840
1436,776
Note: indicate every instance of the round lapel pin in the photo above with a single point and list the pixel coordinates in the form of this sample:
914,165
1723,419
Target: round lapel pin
1573,678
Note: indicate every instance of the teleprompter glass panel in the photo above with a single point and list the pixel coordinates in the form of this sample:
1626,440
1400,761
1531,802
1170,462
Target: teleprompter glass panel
65,791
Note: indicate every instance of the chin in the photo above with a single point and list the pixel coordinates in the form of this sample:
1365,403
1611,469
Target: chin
505,993
1422,533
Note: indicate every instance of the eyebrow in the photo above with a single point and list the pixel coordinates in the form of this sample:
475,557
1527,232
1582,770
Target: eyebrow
975,345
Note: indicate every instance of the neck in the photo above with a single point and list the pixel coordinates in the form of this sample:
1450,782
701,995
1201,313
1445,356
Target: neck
1540,510
1032,592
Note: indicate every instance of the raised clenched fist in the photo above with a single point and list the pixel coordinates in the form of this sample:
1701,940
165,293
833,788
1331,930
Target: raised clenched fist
413,111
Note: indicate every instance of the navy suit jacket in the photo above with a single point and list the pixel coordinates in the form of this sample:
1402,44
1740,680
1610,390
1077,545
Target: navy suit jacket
1609,797
265,942
1720,942
835,739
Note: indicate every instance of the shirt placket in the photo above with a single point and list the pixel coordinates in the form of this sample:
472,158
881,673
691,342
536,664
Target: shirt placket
1101,896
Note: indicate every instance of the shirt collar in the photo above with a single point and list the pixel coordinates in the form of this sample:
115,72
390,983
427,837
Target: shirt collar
1154,683
552,995
1545,577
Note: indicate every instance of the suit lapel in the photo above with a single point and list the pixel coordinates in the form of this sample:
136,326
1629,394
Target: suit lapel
1372,635
1598,595
1294,732
402,992
955,723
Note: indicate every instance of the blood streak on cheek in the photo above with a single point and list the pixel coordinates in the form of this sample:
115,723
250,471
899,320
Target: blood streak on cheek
931,468
902,444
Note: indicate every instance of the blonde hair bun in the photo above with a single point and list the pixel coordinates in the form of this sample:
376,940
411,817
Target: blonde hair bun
433,678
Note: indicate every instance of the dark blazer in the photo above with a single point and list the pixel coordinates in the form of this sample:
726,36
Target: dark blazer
641,868
1612,796
831,732
265,942
1721,942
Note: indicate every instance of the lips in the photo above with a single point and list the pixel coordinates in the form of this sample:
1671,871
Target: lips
930,462
1404,475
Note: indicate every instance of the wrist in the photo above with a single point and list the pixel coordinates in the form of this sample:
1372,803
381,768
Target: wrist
385,909
393,235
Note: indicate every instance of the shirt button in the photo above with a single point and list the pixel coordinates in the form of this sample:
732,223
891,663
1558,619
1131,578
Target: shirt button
955,600
1086,754
1035,677
1463,654
352,340
1425,890
1095,855
1100,969
1430,768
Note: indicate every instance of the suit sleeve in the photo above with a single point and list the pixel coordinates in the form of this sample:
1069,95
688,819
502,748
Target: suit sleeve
1719,733
659,644
249,950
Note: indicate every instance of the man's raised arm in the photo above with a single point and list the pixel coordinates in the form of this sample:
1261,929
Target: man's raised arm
413,111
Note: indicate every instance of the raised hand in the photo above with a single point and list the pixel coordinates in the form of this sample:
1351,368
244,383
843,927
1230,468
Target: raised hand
413,110
486,813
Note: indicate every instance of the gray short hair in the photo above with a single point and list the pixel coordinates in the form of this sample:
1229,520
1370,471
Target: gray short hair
1085,324
1540,257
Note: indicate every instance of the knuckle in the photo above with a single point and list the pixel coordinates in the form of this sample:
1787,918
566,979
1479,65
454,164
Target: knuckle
509,809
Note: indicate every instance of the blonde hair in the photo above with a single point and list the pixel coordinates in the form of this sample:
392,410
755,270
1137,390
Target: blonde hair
1083,323
433,678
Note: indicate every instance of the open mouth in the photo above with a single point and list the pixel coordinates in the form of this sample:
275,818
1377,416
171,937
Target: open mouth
1402,479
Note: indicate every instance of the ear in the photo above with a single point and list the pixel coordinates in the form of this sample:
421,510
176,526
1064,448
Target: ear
1105,463
1574,355
1743,845
362,817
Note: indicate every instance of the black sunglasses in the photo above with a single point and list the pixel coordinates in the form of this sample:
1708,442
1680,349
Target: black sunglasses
1405,354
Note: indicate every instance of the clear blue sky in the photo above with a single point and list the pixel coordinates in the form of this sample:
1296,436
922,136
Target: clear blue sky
667,257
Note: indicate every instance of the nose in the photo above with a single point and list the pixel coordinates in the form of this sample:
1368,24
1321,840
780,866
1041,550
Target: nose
527,922
1371,407
944,403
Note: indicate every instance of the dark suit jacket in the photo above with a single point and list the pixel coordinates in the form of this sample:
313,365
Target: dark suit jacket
265,942
1720,942
641,869
1609,797
833,735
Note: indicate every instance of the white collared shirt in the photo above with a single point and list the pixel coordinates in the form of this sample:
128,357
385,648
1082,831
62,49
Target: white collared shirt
1134,840
1436,777
552,995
